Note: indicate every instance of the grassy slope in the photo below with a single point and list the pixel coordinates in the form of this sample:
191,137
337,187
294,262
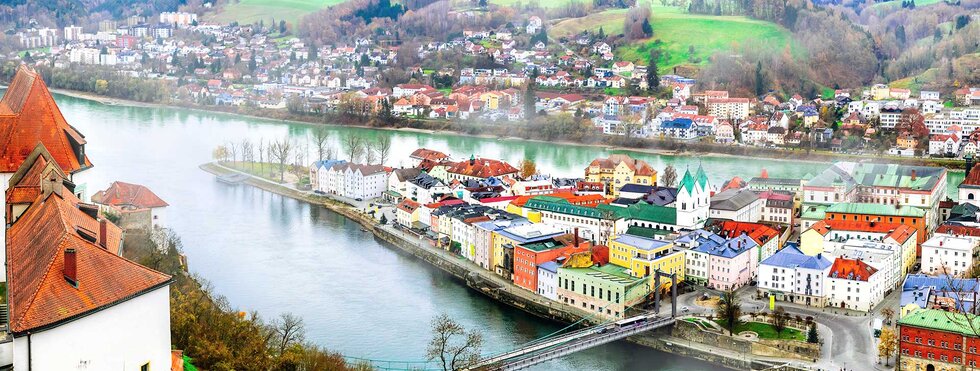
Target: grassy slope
248,11
541,3
679,30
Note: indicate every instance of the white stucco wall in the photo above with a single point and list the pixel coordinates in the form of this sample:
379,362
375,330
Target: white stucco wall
121,337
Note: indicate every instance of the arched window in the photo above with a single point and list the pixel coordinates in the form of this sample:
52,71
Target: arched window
969,196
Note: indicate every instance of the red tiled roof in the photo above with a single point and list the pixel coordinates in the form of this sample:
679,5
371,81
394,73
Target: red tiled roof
482,168
902,233
408,206
428,154
958,230
28,115
38,291
128,194
973,178
760,233
863,226
851,269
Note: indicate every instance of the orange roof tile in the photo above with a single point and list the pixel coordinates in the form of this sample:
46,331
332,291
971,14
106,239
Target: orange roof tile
28,115
482,168
124,194
851,269
38,291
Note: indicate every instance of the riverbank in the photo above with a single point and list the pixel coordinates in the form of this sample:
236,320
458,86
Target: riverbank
495,287
609,143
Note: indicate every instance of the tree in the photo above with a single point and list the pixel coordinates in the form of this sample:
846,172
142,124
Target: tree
729,310
233,150
811,336
528,168
220,153
529,101
353,145
288,330
760,86
452,345
383,147
779,319
384,219
279,151
887,343
282,26
320,137
888,313
653,80
670,176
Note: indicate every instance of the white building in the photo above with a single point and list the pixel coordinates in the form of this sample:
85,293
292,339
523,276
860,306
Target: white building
792,276
548,280
740,205
948,255
127,199
853,284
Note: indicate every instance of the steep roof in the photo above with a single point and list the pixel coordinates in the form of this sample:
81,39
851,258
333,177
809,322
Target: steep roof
38,291
733,199
28,115
428,154
129,194
639,167
481,168
851,269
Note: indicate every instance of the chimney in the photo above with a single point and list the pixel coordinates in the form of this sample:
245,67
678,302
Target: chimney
913,174
969,164
71,267
102,233
576,237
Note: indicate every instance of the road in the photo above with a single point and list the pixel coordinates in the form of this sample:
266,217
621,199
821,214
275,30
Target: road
846,336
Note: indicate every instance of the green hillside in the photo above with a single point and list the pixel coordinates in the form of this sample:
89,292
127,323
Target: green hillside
249,11
678,31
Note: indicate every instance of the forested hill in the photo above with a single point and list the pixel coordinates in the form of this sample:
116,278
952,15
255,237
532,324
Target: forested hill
60,13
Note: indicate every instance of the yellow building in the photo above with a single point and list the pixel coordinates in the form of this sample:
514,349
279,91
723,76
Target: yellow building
643,256
616,171
491,100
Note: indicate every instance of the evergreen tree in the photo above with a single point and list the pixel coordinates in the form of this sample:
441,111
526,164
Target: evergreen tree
653,80
760,87
529,100
811,336
28,58
647,29
282,26
314,53
900,34
602,33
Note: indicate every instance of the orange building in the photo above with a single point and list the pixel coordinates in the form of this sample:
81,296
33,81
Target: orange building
878,213
528,256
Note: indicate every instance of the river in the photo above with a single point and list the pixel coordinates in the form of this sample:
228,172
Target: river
273,254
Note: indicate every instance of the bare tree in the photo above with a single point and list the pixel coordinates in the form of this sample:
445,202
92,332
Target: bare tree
353,145
248,152
370,155
729,310
279,151
779,319
288,329
233,149
320,137
383,147
331,153
261,150
452,345
670,176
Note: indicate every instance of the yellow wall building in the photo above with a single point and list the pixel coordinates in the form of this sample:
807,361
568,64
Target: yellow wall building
616,171
643,256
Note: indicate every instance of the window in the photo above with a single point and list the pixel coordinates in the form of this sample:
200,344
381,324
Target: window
145,367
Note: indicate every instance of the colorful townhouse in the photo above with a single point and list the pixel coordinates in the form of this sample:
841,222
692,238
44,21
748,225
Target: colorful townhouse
479,169
765,236
484,235
529,256
869,212
644,256
505,240
618,170
717,262
934,339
